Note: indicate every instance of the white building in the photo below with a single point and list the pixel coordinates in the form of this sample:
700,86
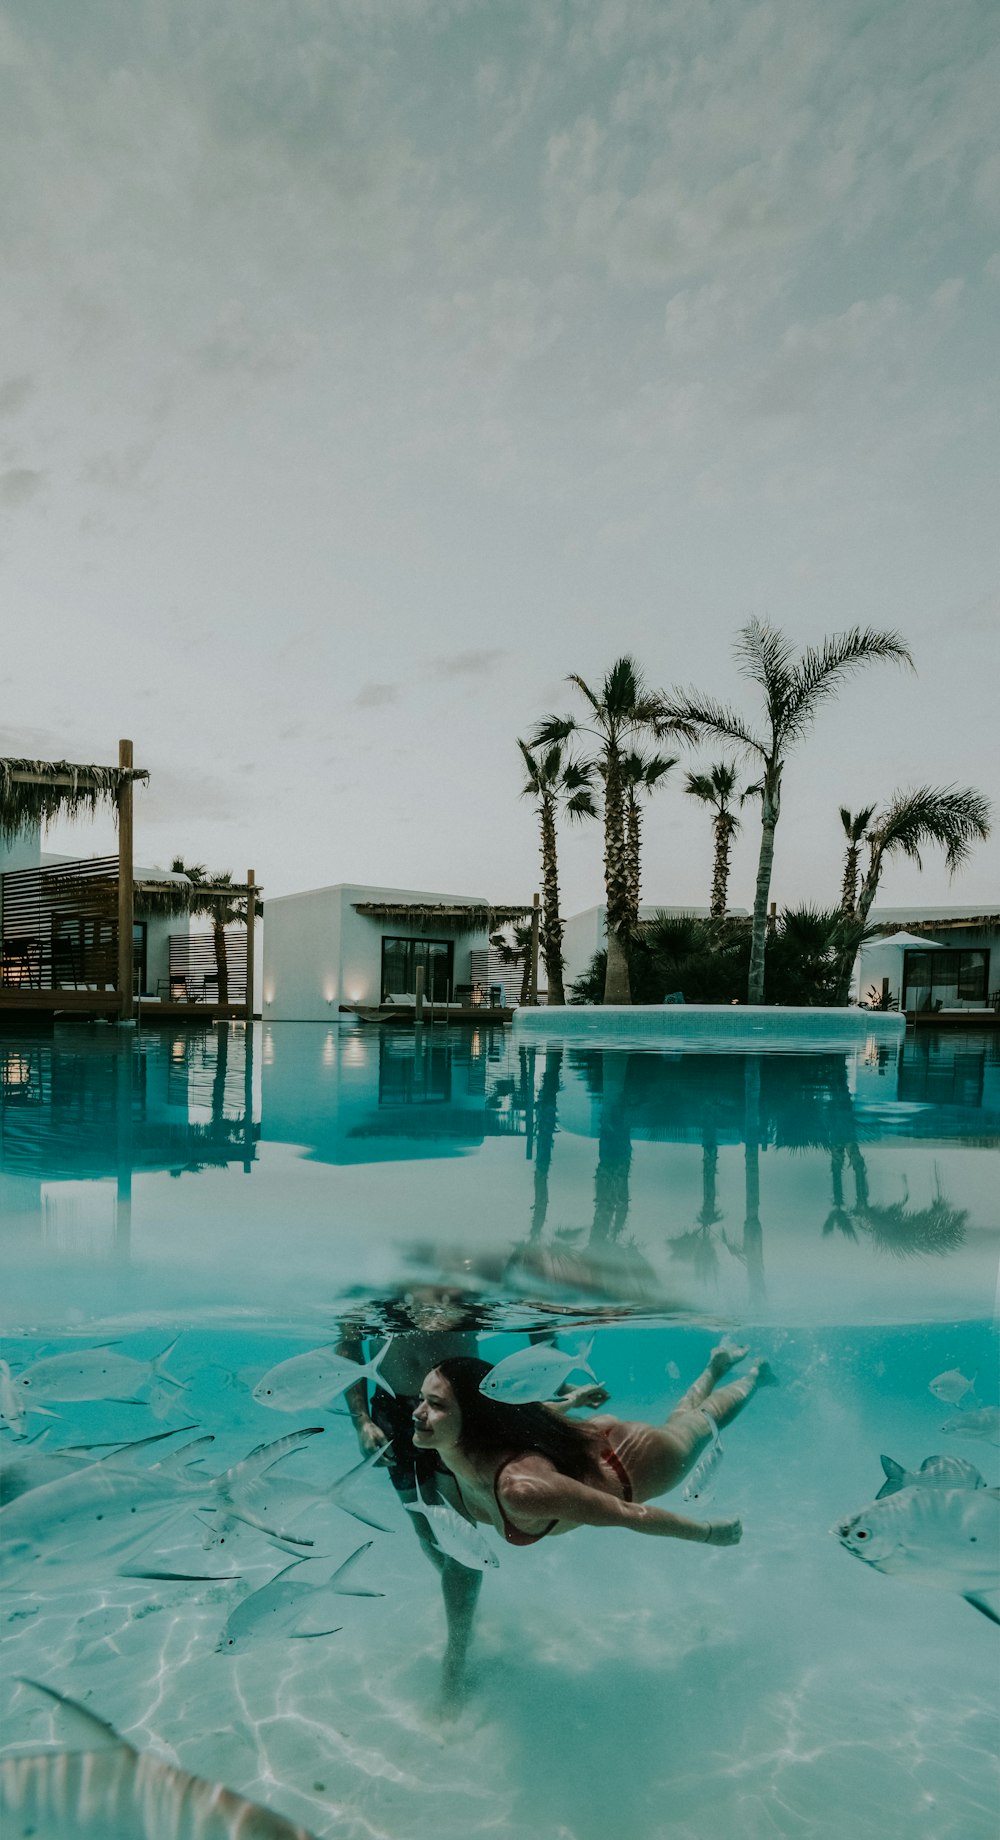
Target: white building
957,971
354,945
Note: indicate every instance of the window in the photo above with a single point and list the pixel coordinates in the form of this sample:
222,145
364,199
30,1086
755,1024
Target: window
400,959
944,980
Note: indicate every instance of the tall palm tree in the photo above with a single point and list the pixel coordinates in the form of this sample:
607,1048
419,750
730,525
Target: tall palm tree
952,817
641,774
717,789
794,688
555,781
619,716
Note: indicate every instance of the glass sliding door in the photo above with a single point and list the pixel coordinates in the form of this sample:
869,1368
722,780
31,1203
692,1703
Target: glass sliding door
400,960
945,980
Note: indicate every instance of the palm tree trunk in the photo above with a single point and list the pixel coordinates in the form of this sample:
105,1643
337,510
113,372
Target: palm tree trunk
614,1159
859,914
633,848
849,884
617,987
769,820
221,959
552,927
720,874
525,976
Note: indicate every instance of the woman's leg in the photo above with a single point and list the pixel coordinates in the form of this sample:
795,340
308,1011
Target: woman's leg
720,1361
661,1458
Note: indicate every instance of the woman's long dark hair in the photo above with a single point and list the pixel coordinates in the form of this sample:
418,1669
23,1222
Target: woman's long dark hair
492,1427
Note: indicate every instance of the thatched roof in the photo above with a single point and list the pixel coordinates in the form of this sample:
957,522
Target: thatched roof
464,916
34,791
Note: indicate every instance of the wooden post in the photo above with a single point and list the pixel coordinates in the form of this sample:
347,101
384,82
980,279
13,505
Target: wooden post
251,925
418,1001
535,926
126,894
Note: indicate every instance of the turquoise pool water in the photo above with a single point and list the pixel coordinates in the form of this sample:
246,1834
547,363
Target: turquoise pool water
836,1210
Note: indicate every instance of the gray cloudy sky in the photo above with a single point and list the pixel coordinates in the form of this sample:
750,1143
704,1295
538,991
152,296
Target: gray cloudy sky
368,365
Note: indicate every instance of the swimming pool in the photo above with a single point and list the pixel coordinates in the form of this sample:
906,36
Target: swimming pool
834,1207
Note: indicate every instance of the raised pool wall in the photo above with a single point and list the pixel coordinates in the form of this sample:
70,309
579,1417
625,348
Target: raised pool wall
710,1023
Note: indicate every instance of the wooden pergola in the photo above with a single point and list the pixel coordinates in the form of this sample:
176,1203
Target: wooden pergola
38,789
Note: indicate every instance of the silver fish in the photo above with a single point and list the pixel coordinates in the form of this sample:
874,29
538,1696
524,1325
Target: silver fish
98,1373
277,1499
307,1382
456,1537
293,1607
534,1373
104,1789
934,1473
101,1503
14,1407
951,1388
947,1538
701,1481
983,1423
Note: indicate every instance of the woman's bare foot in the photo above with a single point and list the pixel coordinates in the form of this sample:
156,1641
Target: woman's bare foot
764,1375
723,1358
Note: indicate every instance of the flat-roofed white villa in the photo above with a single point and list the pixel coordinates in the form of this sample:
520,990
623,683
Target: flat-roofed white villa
348,947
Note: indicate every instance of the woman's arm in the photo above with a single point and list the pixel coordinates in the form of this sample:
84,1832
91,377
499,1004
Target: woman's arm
369,1434
532,1496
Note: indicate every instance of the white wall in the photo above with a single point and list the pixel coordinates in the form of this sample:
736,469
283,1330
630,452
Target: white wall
319,952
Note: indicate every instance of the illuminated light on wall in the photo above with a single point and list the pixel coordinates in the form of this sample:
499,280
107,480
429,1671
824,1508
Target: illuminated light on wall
268,993
329,993
357,994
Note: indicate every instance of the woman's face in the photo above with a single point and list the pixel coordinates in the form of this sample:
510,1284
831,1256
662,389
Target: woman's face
437,1421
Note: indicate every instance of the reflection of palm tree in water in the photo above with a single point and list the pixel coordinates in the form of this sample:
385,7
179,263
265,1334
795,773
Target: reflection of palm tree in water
751,1251
698,1247
897,1228
614,1155
546,1106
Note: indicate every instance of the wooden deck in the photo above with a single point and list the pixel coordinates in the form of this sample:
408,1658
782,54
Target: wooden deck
25,1002
435,1015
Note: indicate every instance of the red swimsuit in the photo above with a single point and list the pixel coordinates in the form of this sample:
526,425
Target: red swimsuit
516,1537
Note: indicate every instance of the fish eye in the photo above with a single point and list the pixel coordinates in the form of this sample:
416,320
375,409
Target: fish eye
862,1533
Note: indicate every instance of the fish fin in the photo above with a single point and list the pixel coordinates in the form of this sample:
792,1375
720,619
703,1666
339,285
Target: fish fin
894,1473
313,1635
159,1367
125,1402
338,1580
980,1602
92,1733
264,1456
273,1533
177,1461
184,1577
373,1367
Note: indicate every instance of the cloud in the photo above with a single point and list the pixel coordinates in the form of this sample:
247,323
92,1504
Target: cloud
15,393
375,696
19,484
467,664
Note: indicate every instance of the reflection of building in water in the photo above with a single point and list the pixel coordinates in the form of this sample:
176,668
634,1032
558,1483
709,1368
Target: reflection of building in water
77,1107
355,1095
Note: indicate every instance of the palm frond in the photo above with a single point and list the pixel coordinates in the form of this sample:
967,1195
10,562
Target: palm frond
952,817
36,791
707,719
765,656
585,689
553,728
822,669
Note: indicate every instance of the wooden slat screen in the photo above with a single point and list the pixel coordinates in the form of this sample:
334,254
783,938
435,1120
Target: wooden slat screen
60,926
192,959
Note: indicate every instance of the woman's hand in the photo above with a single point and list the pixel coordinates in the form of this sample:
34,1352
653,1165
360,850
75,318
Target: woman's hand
370,1436
723,1533
574,1397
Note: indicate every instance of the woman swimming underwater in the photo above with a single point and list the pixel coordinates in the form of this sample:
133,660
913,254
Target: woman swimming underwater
530,1472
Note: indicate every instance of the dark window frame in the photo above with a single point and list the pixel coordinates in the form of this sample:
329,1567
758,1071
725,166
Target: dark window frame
951,967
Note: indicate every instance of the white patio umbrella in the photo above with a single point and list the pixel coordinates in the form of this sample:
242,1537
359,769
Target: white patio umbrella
906,940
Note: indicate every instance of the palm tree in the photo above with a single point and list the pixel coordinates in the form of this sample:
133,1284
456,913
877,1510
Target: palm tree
553,781
717,788
619,715
952,817
516,953
222,903
641,774
855,830
794,688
